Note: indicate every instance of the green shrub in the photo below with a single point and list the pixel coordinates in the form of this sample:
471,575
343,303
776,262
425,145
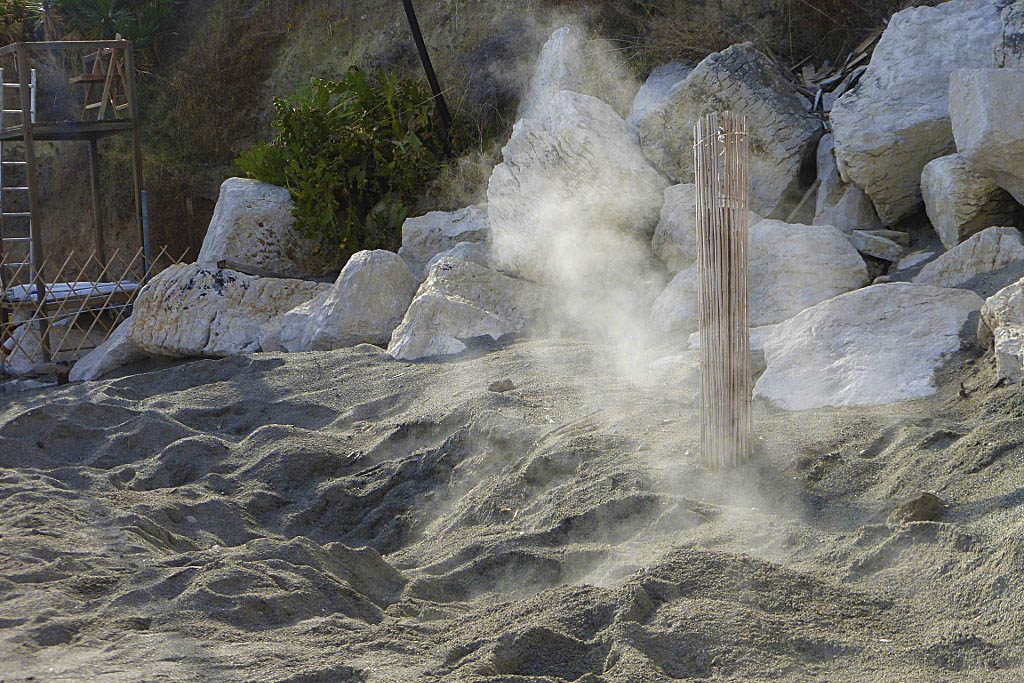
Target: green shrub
355,154
14,21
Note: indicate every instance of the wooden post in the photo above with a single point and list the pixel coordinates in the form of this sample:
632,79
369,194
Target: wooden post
133,110
721,167
97,209
38,254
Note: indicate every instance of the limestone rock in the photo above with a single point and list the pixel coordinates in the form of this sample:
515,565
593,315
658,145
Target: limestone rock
189,310
675,236
1010,47
794,266
1005,308
1008,346
675,309
840,204
985,252
364,306
897,118
477,252
574,199
253,224
569,61
656,89
745,81
961,201
874,346
117,351
871,243
424,237
988,126
461,300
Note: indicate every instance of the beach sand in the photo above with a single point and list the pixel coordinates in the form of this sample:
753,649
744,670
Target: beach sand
343,516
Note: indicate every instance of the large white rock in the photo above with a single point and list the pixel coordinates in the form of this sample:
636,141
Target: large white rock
189,310
364,306
1001,329
461,300
961,202
1010,48
118,350
840,204
675,236
877,243
897,118
985,252
745,81
877,345
477,252
574,200
985,106
656,89
424,237
253,224
794,266
569,61
675,309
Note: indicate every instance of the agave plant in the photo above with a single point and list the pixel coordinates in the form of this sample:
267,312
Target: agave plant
95,19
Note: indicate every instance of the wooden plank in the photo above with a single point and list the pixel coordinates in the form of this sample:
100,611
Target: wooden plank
46,46
131,90
86,78
97,207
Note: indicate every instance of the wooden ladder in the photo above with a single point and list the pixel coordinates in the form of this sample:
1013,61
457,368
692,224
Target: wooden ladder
13,164
112,78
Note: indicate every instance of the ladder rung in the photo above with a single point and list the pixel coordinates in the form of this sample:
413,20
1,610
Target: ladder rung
13,111
122,107
23,214
94,105
88,78
26,263
14,163
17,239
14,187
11,85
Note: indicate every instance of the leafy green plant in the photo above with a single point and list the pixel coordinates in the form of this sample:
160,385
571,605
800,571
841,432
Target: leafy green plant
355,153
14,21
140,21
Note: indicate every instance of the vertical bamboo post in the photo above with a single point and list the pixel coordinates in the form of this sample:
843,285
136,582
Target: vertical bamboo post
721,154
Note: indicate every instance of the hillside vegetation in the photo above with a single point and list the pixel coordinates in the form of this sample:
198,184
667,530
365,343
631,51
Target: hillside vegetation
212,69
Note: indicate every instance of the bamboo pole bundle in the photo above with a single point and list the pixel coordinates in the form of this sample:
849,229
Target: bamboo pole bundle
721,156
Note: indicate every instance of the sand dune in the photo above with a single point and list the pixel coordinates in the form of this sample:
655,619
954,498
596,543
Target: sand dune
344,516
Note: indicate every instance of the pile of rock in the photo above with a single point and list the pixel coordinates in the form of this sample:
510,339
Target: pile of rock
593,201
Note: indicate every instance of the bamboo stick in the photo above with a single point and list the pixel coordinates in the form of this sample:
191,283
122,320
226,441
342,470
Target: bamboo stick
721,164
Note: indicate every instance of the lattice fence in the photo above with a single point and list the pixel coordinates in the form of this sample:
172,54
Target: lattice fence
82,302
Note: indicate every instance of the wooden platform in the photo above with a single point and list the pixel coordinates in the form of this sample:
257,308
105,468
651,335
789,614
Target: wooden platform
69,130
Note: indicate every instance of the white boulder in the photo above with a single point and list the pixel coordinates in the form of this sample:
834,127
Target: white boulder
877,243
877,345
656,89
569,61
1001,329
675,236
253,224
840,204
118,350
960,201
794,266
675,309
982,253
461,300
574,200
364,306
189,310
477,252
424,237
985,106
743,80
897,118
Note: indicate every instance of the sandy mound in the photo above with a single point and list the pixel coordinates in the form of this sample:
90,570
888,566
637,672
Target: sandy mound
344,516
